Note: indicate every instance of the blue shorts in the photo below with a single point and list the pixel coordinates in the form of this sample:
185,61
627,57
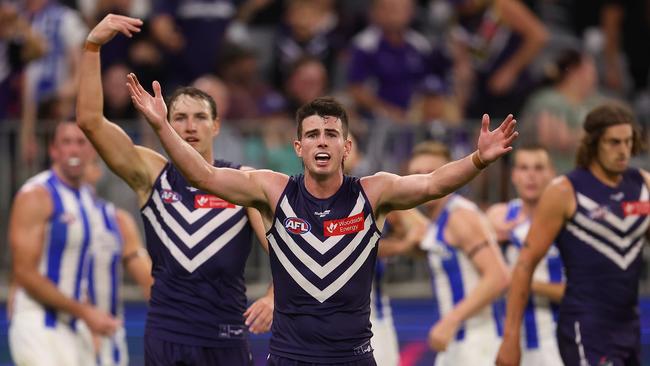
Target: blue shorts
162,353
599,342
273,360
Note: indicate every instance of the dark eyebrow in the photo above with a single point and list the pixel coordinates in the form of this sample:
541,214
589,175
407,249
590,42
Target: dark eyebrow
332,130
311,131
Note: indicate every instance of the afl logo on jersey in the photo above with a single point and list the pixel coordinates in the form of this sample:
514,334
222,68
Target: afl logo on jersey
169,196
297,226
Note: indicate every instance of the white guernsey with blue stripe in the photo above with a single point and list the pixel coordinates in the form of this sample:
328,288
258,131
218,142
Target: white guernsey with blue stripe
67,240
454,276
540,315
104,279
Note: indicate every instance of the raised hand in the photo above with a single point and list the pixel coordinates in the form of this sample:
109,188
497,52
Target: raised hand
153,108
493,144
105,30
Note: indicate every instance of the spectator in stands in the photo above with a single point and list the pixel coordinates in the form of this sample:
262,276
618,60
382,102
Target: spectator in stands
310,29
306,81
250,96
390,54
438,112
19,44
191,33
501,38
117,101
51,81
552,116
627,29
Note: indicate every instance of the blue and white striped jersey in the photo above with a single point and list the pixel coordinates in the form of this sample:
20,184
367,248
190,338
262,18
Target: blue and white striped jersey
66,244
454,275
540,315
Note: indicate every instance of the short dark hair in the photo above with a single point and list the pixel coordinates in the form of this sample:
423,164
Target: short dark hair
322,106
532,147
432,148
602,117
192,92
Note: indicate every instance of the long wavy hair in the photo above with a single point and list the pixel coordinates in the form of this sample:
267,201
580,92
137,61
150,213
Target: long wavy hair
600,119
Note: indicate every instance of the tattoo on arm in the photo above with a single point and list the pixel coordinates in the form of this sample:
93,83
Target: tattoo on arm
476,248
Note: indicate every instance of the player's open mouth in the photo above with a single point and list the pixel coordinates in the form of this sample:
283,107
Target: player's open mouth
74,161
191,139
322,157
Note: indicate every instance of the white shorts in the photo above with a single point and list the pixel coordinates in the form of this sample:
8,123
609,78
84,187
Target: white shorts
547,354
32,343
384,342
111,351
480,349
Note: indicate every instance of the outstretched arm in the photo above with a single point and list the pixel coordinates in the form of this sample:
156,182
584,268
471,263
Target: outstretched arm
549,216
27,227
257,188
137,166
394,192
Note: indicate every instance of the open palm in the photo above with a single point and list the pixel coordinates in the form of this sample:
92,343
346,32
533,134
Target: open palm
153,107
493,144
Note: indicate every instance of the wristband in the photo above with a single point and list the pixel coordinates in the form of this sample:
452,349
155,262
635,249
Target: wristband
478,163
91,46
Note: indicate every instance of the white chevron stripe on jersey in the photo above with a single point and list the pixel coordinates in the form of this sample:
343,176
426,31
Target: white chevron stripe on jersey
322,295
321,246
317,269
622,261
617,222
189,216
620,241
192,239
191,264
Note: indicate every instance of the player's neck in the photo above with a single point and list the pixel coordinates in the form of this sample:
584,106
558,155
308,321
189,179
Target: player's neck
527,207
73,183
323,187
608,178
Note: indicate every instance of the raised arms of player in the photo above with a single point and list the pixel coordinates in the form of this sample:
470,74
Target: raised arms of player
137,166
134,257
30,212
257,188
392,192
555,205
470,232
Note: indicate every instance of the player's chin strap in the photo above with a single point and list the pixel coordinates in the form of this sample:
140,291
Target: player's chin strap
476,248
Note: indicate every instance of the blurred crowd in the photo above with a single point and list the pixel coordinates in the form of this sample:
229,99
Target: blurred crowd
406,69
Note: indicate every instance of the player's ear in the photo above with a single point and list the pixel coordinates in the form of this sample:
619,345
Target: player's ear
216,126
297,146
347,148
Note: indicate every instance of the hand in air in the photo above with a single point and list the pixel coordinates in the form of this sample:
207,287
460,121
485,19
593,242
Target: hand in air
493,144
111,25
153,107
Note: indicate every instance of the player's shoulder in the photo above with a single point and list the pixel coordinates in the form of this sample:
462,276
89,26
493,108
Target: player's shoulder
560,186
497,212
34,197
646,176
